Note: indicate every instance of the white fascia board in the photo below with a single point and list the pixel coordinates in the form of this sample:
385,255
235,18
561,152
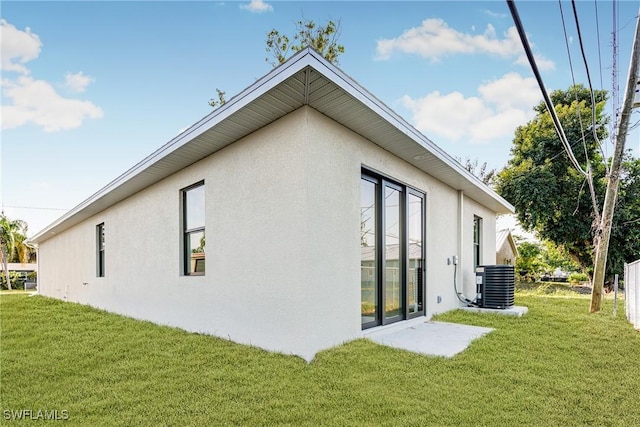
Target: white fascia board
302,59
238,102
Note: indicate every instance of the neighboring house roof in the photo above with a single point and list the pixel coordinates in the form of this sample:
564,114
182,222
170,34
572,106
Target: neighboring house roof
305,79
511,222
504,237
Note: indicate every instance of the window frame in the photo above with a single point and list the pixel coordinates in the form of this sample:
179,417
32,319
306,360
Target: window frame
477,242
100,250
187,232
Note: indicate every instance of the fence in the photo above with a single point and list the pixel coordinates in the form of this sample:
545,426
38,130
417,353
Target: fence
632,292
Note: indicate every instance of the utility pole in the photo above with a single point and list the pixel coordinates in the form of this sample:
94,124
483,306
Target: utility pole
603,230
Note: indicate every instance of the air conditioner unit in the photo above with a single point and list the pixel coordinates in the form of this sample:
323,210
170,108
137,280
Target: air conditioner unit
495,286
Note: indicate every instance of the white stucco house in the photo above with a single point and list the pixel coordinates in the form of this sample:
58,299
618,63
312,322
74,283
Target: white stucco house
324,212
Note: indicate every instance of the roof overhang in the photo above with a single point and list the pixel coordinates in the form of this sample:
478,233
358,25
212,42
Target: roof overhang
305,79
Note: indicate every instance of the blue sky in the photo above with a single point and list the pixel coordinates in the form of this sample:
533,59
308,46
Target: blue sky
91,88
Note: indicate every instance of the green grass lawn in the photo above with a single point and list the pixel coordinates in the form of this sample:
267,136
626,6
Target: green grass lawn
557,366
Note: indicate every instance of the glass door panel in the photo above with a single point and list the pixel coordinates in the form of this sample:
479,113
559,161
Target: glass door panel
392,254
416,254
368,258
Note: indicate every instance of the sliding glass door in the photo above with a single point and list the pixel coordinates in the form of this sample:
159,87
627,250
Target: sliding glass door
392,253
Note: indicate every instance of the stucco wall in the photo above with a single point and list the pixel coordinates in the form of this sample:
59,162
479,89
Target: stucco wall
256,281
283,248
348,153
338,155
472,209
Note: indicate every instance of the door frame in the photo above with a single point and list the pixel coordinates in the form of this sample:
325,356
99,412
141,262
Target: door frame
382,182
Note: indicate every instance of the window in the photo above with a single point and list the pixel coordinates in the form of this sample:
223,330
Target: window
100,250
477,239
193,214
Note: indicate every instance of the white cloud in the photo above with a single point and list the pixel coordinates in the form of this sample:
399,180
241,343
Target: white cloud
257,6
17,47
77,82
543,63
435,39
27,100
495,14
443,114
36,102
502,106
511,90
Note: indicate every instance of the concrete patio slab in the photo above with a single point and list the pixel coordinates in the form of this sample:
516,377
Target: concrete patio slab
428,338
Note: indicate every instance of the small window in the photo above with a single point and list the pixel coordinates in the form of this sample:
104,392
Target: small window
193,230
100,250
477,239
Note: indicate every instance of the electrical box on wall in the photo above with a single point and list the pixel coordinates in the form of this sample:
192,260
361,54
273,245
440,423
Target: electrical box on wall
636,99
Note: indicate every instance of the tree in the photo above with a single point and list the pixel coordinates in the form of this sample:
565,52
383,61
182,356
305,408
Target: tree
13,244
479,171
625,228
534,259
556,257
220,101
552,197
529,264
321,38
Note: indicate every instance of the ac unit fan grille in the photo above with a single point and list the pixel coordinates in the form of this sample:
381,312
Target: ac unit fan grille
498,286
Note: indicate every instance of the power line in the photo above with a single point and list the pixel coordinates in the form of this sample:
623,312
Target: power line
545,95
573,81
555,156
634,126
595,3
586,66
589,176
552,112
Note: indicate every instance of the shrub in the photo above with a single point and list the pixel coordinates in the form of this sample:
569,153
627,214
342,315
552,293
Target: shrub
17,280
577,278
